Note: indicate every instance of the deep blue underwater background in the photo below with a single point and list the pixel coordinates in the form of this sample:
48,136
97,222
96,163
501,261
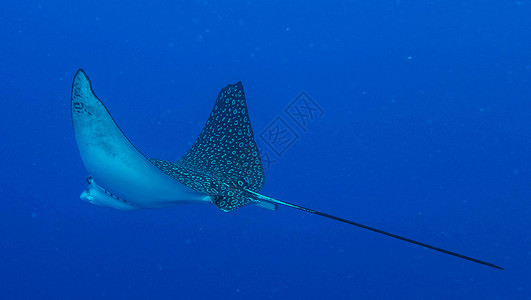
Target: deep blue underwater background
426,133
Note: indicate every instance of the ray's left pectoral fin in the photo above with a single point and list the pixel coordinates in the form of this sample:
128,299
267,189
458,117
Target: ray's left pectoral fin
101,142
123,174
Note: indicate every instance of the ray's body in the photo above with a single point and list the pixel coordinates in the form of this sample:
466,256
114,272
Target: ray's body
223,167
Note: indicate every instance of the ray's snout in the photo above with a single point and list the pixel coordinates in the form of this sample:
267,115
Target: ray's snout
97,195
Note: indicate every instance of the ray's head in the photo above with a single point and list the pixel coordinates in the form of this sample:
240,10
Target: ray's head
97,195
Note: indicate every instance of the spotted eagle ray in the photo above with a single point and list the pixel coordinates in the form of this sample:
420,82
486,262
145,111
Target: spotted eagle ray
223,166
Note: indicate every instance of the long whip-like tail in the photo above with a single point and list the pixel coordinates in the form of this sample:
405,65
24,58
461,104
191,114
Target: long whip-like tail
261,197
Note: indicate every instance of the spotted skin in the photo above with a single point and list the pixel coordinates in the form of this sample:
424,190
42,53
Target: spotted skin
224,160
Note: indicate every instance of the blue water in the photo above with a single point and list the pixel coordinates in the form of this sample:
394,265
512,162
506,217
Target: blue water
425,132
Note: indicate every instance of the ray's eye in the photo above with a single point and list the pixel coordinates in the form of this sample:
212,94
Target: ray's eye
89,180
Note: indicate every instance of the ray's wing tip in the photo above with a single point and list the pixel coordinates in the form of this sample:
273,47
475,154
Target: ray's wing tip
81,77
230,88
80,73
238,86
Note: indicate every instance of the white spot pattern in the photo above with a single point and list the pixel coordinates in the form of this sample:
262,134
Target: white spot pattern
223,160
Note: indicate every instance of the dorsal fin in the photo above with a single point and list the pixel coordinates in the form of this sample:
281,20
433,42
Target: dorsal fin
224,159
